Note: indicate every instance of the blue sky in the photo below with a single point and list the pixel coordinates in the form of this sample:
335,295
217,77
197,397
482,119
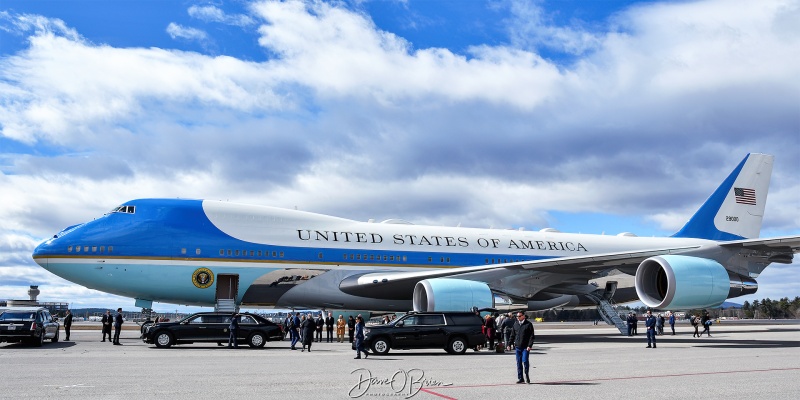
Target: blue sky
593,117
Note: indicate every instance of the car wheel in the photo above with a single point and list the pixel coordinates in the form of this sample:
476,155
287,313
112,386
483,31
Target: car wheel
257,339
40,340
55,338
380,346
457,345
163,339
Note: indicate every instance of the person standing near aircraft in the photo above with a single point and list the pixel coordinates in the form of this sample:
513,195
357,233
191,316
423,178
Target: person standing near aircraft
233,331
523,341
67,323
695,323
107,321
650,326
351,327
660,324
508,331
117,326
329,327
319,324
360,338
672,322
340,325
308,326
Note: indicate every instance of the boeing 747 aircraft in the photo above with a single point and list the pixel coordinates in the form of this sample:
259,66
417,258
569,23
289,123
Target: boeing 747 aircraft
199,252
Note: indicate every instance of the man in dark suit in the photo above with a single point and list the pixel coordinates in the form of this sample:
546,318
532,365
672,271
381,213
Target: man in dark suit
107,321
650,326
233,329
67,323
319,324
329,327
117,326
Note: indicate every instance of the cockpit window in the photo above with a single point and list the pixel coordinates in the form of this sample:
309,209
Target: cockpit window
125,209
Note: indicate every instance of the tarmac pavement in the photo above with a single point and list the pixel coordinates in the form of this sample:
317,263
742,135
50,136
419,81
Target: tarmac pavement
739,361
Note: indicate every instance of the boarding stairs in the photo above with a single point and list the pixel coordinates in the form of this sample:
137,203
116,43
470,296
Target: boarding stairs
225,305
606,308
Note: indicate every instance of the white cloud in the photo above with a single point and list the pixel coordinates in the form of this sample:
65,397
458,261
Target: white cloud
215,14
176,31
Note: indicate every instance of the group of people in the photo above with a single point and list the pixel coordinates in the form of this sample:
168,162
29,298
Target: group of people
499,328
705,320
306,329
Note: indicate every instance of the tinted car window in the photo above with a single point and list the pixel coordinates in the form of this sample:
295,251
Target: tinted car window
17,316
247,320
198,319
466,319
430,319
410,321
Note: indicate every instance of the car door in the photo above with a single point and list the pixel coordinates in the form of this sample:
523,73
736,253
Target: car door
192,329
431,331
405,333
50,324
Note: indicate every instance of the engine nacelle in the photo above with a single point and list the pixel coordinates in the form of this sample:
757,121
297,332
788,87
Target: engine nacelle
444,294
684,282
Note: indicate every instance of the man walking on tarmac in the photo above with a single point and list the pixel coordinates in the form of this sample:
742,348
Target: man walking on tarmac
650,325
523,341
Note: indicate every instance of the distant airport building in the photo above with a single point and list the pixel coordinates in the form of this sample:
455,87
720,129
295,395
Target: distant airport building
55,308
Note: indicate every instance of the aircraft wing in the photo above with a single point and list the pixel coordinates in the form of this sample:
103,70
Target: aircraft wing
779,250
388,284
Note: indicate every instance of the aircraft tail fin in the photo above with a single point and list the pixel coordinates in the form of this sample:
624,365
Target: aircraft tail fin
736,209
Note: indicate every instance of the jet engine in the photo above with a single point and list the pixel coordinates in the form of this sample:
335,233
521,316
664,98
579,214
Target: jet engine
684,282
445,294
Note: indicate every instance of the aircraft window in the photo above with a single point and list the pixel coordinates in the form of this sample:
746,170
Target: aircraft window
94,249
430,259
384,258
252,253
77,249
345,256
197,251
441,259
259,253
183,250
372,257
319,256
448,259
221,252
237,252
85,249
110,249
229,252
486,261
358,256
405,258
273,254
351,256
102,249
365,257
69,249
281,254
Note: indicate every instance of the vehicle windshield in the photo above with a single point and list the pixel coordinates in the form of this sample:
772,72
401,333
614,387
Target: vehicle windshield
17,316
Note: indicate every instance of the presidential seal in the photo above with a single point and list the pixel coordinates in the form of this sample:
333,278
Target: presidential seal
203,278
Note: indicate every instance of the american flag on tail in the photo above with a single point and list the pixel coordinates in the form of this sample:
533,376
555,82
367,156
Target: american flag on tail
745,196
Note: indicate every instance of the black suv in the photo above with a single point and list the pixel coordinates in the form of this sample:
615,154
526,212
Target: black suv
31,324
213,327
453,331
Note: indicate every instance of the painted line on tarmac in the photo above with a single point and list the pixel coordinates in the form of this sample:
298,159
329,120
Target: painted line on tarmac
579,381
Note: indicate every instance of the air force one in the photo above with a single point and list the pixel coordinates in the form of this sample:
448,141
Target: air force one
202,252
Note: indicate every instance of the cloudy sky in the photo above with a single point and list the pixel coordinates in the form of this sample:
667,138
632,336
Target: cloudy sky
593,117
